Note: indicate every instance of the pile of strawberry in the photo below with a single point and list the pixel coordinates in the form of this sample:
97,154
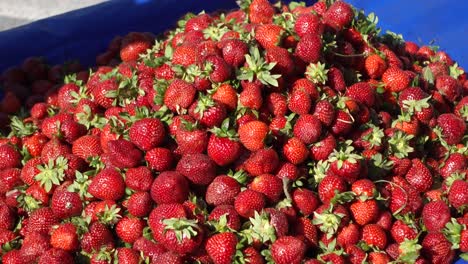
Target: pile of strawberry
270,134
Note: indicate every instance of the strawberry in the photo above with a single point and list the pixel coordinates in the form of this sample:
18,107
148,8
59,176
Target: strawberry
329,186
9,156
179,95
208,112
147,133
308,24
338,15
268,35
127,256
10,178
97,237
251,97
436,248
362,93
226,94
124,153
159,159
269,185
86,147
419,176
34,245
129,229
133,45
348,235
232,218
346,164
452,128
282,58
449,87
169,187
375,66
456,162
56,255
191,140
222,247
139,178
65,237
260,12
198,168
262,161
288,249
435,215
295,151
168,257
309,48
252,135
139,204
325,112
458,194
374,235
222,190
66,204
248,202
185,55
7,217
305,201
299,102
220,70
308,129
342,124
234,51
364,212
107,185
395,79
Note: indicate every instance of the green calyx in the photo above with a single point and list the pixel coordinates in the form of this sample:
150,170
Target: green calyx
110,216
328,222
374,138
88,119
261,228
455,71
409,251
399,144
240,176
345,153
413,106
225,130
204,103
317,73
452,232
183,228
258,68
81,183
319,170
20,128
215,32
52,173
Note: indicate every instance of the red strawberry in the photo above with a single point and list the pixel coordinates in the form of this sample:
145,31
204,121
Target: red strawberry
309,48
308,129
305,201
362,92
260,12
453,128
7,217
234,51
34,245
222,190
342,124
191,141
295,151
208,112
437,249
364,212
395,79
133,45
374,235
140,204
262,161
348,235
179,95
375,66
129,229
98,236
168,257
226,95
198,168
248,202
329,185
435,215
184,55
139,178
270,185
338,15
222,247
228,211
456,162
124,153
107,185
128,256
220,70
56,256
401,231
159,159
147,133
9,156
65,237
66,204
458,194
87,147
252,135
288,250
449,87
419,176
169,187
9,179
308,24
299,102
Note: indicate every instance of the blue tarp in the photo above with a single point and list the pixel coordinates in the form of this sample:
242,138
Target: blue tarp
84,33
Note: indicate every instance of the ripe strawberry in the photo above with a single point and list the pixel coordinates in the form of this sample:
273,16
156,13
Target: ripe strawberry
220,70
97,237
252,135
108,184
159,159
364,212
168,257
453,128
449,87
128,256
458,194
129,229
329,185
268,35
147,133
342,124
251,97
9,156
248,202
179,95
7,217
362,93
87,146
348,235
419,176
288,250
208,112
124,153
191,140
140,204
375,66
66,204
56,256
226,94
299,102
456,162
295,151
308,24
262,161
185,55
65,237
305,201
222,190
169,187
234,51
9,179
198,168
232,217
338,15
269,185
34,245
401,231
139,178
437,249
395,79
435,215
222,247
308,129
374,235
309,48
260,12
133,45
